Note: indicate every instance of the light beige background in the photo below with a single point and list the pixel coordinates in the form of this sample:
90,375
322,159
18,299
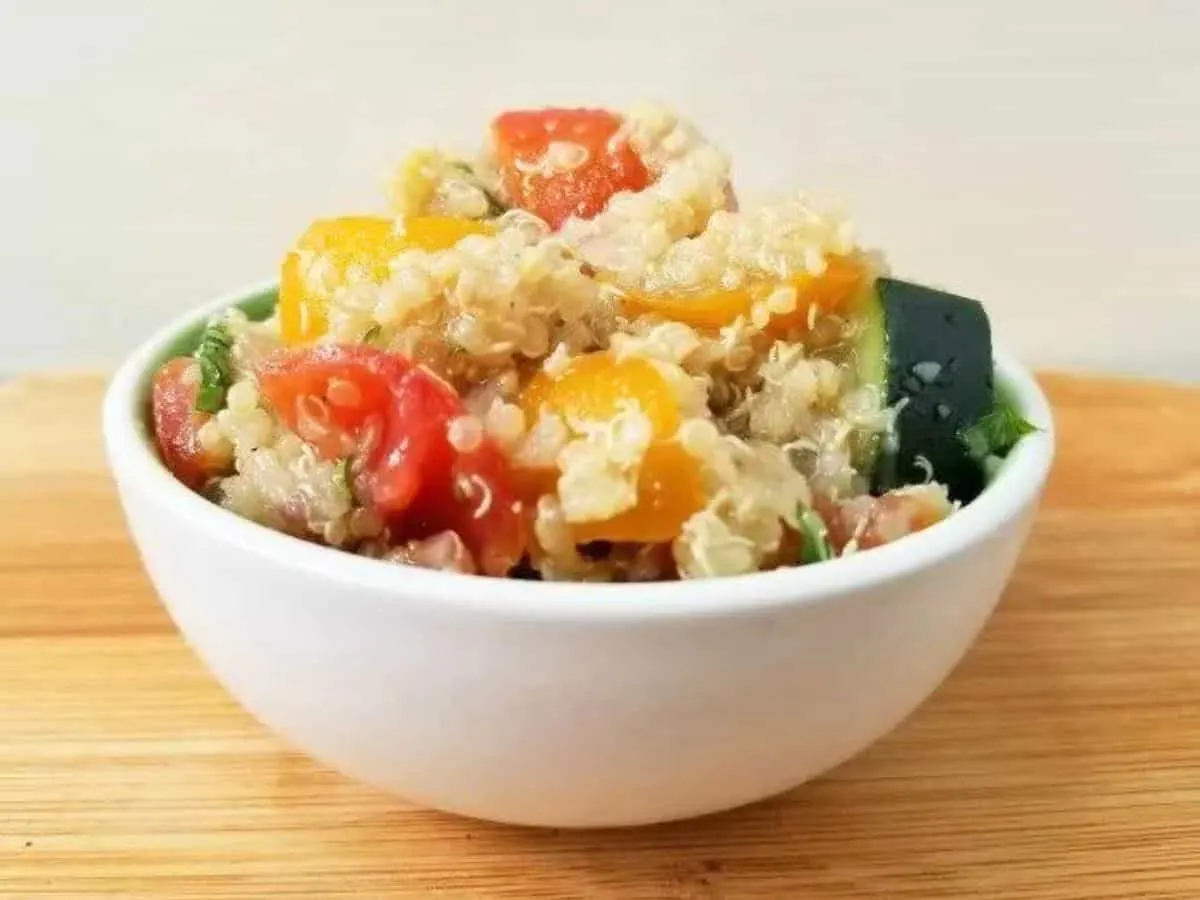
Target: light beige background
1044,156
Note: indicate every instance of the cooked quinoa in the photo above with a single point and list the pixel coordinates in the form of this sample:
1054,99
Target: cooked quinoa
570,357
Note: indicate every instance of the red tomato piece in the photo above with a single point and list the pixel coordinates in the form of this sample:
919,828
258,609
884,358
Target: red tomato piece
328,393
875,521
332,394
325,370
597,166
491,518
438,488
414,456
177,423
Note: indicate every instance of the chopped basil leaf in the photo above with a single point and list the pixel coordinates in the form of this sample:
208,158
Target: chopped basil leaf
215,355
996,433
372,333
815,537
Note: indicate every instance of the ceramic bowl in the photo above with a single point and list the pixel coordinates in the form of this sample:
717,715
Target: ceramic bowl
561,704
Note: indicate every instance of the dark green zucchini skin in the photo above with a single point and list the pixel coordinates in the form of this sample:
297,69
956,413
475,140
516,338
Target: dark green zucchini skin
938,363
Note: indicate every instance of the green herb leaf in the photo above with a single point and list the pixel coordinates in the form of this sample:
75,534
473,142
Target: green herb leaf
372,333
996,433
215,355
816,547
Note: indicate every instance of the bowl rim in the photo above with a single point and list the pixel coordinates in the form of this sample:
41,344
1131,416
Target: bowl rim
134,463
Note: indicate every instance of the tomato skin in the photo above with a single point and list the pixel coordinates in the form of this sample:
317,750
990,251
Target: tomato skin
875,521
412,475
427,486
414,452
287,377
497,526
522,138
177,423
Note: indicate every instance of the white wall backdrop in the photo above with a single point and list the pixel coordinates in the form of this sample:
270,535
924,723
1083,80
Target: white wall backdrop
1044,156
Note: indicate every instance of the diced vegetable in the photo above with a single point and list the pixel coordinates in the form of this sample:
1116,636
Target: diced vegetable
431,487
358,246
833,291
177,423
595,386
830,292
670,491
433,233
707,310
558,163
363,242
902,512
329,392
930,353
863,522
394,416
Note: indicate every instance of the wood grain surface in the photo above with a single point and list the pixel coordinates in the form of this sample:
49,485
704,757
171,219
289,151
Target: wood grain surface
1060,760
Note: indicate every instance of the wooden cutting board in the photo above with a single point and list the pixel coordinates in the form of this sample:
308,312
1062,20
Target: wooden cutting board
1060,760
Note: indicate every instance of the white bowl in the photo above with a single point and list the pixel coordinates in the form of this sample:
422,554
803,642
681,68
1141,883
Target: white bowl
568,704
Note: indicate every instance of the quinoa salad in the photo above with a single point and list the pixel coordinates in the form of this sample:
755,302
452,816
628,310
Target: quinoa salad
572,356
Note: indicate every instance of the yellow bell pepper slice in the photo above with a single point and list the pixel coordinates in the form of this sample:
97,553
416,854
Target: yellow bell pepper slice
710,310
670,491
594,387
358,247
670,484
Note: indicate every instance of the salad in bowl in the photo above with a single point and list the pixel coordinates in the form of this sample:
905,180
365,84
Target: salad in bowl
571,356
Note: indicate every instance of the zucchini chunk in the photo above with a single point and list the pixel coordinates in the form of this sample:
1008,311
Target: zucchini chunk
931,353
